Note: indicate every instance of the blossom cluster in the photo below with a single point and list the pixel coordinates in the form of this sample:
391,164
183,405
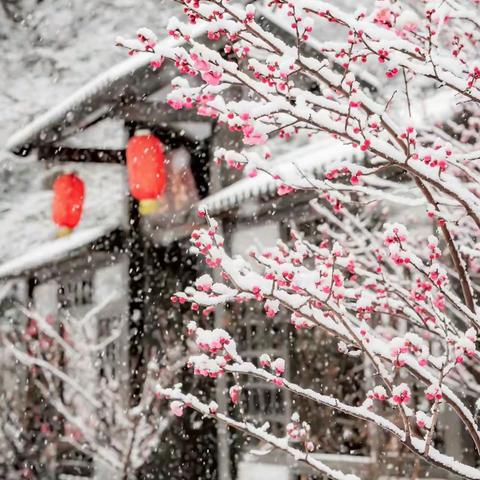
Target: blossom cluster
299,431
400,297
410,343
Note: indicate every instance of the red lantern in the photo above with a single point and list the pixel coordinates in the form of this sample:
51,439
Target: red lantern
68,196
146,170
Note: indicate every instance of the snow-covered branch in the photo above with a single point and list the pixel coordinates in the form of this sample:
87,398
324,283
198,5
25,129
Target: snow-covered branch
397,292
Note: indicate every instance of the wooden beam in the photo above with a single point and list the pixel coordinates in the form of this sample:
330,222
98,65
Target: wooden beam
58,153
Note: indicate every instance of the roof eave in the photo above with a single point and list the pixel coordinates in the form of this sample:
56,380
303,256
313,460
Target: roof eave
109,87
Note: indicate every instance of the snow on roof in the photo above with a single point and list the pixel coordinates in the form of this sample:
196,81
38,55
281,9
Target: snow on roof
57,114
307,160
51,251
99,84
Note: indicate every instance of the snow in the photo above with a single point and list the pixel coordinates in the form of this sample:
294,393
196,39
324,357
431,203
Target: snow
96,86
58,113
307,160
316,290
108,134
53,48
249,470
52,251
434,109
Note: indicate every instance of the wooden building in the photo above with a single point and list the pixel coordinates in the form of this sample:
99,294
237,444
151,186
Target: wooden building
146,259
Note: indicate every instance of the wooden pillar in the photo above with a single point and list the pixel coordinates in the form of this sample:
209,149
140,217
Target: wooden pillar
135,249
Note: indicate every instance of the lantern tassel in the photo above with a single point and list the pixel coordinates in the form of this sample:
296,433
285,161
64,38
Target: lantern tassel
64,232
148,207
